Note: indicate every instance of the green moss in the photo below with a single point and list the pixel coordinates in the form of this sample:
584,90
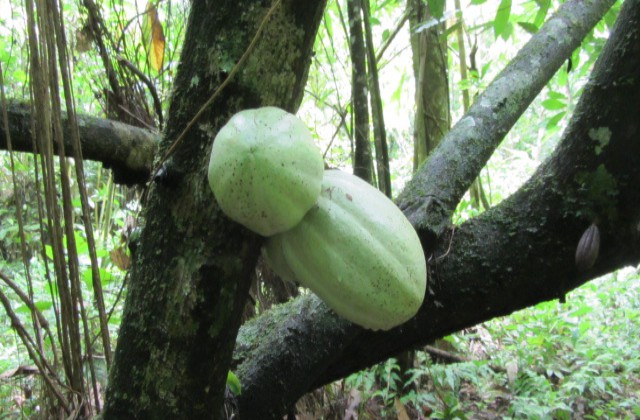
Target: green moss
274,51
601,136
600,190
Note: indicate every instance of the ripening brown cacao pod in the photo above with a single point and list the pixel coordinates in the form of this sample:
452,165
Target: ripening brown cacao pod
588,248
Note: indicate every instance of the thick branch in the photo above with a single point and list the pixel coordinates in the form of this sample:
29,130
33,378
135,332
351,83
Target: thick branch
518,254
433,194
126,149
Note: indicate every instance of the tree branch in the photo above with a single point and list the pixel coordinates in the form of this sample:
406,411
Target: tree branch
518,254
125,149
431,197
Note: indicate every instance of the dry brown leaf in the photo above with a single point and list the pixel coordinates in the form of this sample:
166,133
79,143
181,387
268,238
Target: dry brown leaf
120,258
401,410
154,37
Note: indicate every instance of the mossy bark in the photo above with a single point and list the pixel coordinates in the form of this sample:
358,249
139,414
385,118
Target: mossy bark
191,268
512,256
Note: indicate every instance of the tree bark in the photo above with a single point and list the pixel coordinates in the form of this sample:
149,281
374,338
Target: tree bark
190,272
126,149
436,189
513,256
432,118
377,114
429,48
362,157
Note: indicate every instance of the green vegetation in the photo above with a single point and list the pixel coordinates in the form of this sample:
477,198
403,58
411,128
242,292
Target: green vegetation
552,361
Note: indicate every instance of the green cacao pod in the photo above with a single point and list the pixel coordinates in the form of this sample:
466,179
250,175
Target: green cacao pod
357,251
265,171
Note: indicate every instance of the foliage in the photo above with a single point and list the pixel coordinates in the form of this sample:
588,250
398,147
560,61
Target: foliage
550,361
29,283
560,361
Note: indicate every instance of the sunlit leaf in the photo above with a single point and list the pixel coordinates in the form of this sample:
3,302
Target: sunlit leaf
529,27
508,31
450,30
553,121
40,305
542,12
583,310
48,250
502,18
233,383
557,95
553,104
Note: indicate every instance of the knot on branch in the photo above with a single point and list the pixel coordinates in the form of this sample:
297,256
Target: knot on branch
429,216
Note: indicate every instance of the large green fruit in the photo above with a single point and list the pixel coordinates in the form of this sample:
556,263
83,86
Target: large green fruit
357,251
265,171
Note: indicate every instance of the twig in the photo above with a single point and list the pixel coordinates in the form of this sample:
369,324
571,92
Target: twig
152,89
34,353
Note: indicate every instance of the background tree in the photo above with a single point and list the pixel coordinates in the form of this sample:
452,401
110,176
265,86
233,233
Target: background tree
192,267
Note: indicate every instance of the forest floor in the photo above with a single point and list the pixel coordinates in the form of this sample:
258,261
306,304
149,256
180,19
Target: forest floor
578,360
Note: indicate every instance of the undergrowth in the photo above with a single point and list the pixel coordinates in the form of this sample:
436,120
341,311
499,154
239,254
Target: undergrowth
577,360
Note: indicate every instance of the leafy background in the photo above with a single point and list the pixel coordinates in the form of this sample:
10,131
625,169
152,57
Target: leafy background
572,360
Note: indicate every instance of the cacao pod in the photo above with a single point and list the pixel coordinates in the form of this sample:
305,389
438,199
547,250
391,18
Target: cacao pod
265,170
588,248
357,251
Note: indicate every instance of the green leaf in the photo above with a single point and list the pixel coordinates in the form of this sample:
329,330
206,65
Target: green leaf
583,310
557,95
48,250
553,104
529,27
485,69
502,18
451,29
233,383
508,31
40,305
478,1
436,7
542,12
553,121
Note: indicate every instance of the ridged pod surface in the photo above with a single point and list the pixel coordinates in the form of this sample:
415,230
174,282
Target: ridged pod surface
265,171
357,251
588,248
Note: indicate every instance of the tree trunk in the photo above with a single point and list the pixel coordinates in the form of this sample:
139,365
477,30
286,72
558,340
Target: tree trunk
432,119
429,48
362,158
377,114
190,274
512,256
